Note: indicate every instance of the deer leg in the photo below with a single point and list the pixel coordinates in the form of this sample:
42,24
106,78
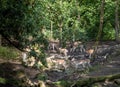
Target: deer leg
90,56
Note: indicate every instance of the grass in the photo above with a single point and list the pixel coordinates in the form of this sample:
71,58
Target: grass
8,53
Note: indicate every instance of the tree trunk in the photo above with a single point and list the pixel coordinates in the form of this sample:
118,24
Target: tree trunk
51,33
101,19
60,34
117,22
101,23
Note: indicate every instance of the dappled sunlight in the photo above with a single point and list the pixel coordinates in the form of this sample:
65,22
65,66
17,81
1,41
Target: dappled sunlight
59,43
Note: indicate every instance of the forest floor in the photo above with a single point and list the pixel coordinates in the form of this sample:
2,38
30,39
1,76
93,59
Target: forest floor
110,67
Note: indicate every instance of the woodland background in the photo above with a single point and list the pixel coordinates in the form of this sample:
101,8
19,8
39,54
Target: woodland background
34,23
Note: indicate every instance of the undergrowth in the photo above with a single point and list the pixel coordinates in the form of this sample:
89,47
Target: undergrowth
8,53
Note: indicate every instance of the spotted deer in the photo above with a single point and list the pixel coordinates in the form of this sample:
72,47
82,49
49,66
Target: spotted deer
60,63
63,51
52,47
81,63
90,52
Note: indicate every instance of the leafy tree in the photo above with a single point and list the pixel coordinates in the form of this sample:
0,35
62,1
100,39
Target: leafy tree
20,22
30,23
117,27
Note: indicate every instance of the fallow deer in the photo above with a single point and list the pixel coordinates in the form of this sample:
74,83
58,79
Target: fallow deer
63,51
90,52
84,63
59,63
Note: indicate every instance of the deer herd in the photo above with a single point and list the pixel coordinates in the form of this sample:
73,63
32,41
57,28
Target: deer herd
69,52
68,56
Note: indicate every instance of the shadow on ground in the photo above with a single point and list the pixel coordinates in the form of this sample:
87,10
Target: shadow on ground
10,76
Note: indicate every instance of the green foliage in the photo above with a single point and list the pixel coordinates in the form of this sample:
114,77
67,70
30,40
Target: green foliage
8,53
75,16
24,22
42,77
2,80
21,22
108,33
96,85
80,20
63,83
